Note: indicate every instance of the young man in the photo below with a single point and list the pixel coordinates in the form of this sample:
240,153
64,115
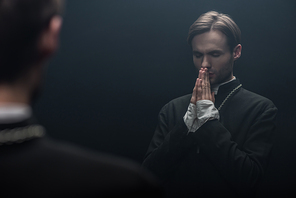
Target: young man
32,165
216,141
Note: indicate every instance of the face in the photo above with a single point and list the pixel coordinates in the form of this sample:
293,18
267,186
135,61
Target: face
211,51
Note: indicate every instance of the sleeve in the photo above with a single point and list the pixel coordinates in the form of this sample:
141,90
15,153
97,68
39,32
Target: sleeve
199,114
244,167
167,146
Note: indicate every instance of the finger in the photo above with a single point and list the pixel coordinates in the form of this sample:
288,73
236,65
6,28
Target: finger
199,90
204,95
194,92
207,85
204,85
200,74
204,74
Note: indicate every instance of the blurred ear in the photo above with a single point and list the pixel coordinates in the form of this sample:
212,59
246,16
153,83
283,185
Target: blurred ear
237,51
49,38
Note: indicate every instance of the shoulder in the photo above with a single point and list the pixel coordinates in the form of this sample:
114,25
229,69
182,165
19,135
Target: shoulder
91,171
180,102
175,109
60,151
255,98
185,98
254,101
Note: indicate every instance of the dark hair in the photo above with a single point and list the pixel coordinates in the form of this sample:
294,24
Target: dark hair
21,22
213,20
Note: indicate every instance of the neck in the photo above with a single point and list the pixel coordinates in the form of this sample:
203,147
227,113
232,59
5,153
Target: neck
22,90
215,88
14,94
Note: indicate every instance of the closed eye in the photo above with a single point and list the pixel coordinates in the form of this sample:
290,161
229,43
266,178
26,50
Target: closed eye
198,55
215,55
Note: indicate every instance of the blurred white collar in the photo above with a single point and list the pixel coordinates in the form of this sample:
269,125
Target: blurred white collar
14,112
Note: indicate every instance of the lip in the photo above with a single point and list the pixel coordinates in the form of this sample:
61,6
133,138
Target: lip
211,74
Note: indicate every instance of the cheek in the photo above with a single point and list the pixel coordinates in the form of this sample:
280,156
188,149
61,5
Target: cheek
196,63
222,63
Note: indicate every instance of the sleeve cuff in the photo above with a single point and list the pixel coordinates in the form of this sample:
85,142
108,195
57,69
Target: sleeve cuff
199,114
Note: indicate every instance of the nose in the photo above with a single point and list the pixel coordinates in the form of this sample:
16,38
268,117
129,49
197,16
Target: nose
205,62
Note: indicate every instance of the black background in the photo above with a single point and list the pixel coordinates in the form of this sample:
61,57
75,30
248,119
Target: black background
120,61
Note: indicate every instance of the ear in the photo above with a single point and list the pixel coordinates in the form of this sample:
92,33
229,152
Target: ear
237,51
49,39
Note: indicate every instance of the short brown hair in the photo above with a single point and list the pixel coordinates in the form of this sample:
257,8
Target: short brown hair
213,20
21,22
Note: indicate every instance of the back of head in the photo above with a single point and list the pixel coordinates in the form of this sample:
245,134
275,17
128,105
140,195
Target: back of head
213,20
21,22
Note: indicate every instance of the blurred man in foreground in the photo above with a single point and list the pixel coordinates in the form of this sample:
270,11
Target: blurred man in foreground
32,164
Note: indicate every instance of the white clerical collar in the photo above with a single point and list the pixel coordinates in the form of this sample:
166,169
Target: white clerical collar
14,112
216,88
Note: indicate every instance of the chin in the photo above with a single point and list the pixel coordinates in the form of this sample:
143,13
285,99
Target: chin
212,82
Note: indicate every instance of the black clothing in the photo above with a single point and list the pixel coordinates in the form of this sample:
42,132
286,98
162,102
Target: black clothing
233,151
42,167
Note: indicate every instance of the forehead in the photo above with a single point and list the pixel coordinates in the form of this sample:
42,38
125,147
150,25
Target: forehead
208,41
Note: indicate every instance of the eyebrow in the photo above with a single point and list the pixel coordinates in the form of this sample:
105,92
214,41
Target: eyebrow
216,51
210,52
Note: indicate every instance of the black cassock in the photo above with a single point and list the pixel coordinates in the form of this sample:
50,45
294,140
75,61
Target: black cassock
225,157
43,167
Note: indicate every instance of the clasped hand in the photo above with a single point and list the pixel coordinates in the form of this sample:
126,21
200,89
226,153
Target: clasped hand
202,88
